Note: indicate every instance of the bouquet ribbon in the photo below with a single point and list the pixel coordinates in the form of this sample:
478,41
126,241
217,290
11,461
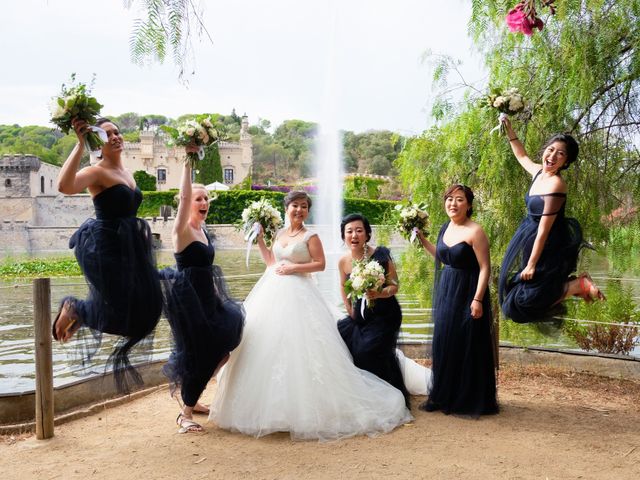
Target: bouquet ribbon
414,234
250,237
363,305
498,127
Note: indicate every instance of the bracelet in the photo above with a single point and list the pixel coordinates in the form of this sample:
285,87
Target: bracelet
513,139
477,300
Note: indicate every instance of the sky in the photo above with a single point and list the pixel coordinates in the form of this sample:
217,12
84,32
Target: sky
358,64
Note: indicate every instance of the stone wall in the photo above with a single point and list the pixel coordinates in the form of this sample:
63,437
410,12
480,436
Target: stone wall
45,180
67,210
16,209
15,172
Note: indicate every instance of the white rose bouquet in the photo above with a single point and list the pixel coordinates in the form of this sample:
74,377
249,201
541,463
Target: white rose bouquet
509,102
75,101
365,275
412,219
199,131
263,213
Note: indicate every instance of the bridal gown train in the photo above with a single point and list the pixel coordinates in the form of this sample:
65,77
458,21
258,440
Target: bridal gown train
293,373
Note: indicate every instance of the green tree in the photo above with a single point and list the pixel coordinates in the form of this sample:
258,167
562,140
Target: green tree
146,182
210,169
579,74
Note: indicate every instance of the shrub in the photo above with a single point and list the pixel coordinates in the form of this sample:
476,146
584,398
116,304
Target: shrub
151,202
619,309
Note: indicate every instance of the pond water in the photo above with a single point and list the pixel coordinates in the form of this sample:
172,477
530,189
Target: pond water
17,368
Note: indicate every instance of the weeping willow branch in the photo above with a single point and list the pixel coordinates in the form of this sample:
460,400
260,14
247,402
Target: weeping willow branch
169,26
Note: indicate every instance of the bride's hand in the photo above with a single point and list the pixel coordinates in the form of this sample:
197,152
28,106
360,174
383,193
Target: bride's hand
285,269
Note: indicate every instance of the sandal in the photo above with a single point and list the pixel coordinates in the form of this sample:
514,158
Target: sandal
586,284
187,425
67,305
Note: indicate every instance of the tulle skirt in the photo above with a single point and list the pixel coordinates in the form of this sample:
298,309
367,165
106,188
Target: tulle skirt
293,373
463,366
372,340
206,325
537,300
125,297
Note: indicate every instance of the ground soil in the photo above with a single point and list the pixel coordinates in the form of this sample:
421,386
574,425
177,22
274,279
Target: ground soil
553,424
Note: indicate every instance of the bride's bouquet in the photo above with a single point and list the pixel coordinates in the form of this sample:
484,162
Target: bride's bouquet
509,102
75,101
259,214
412,219
199,132
365,275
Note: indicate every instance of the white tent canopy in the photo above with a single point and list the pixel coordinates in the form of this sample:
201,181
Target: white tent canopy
216,186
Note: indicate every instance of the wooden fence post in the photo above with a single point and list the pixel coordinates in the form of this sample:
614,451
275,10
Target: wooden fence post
44,360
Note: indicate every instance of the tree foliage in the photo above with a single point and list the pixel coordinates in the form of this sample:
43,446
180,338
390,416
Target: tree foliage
146,182
580,74
210,168
167,29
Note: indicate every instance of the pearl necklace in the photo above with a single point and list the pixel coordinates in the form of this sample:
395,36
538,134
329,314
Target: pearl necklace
297,232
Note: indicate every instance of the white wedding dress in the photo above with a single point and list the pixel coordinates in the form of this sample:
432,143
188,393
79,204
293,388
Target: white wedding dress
293,373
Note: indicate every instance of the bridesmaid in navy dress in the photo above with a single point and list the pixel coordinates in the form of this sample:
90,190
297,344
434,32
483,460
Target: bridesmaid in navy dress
115,255
371,337
463,367
205,322
543,253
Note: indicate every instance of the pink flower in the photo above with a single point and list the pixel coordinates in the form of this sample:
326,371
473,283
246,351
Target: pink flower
519,21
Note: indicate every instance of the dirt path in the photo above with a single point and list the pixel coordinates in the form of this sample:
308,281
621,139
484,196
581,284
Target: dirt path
554,424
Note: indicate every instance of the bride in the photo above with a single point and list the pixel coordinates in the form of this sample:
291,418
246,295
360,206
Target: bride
292,372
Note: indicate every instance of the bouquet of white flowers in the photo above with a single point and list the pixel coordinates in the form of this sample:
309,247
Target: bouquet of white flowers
508,102
75,101
259,214
412,218
199,132
365,275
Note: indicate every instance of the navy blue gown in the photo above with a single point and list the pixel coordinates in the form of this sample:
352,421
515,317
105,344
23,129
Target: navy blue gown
115,254
537,300
463,366
372,339
206,323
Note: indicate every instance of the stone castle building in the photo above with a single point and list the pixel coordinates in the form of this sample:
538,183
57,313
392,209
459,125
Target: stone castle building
152,155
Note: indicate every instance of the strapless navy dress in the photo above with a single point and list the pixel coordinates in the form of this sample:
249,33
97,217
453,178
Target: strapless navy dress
114,251
537,300
206,323
464,380
372,338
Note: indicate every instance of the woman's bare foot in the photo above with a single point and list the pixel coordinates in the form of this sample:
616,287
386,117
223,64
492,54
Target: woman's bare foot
66,322
588,290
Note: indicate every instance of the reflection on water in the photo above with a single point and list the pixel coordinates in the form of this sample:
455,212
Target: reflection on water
16,324
17,369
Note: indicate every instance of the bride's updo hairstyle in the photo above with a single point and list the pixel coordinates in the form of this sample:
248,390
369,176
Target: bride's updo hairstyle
468,194
354,217
570,143
296,195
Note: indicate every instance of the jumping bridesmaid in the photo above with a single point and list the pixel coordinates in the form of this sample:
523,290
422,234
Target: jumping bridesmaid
543,253
114,252
206,324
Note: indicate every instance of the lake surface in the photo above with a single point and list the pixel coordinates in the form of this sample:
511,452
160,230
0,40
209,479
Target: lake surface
17,368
